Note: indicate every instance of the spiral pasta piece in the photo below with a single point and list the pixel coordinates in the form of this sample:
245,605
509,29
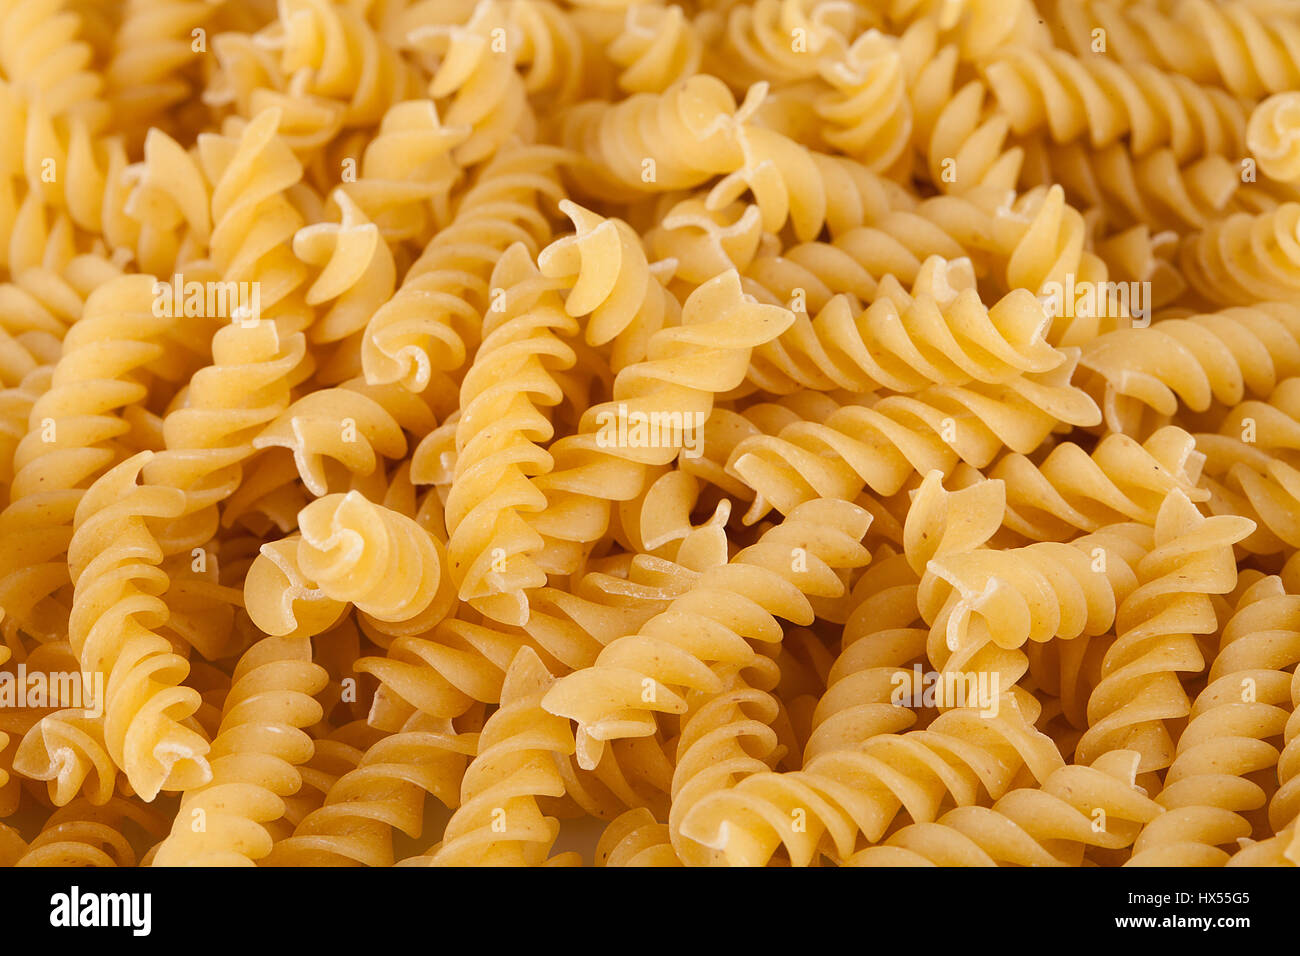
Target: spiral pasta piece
253,758
1245,259
343,433
429,324
684,368
845,795
1211,790
348,547
881,639
1139,687
1052,826
357,273
1249,52
634,838
114,560
1154,189
405,169
881,444
1223,357
73,436
253,221
443,671
779,41
84,834
1071,491
610,282
1252,466
342,56
42,55
656,49
960,133
245,387
499,822
151,47
1071,98
476,75
503,424
940,334
383,791
637,673
867,108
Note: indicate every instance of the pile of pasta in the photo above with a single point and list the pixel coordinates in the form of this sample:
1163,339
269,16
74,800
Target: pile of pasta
789,432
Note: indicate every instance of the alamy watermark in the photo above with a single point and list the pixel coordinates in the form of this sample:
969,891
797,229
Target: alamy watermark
238,301
637,429
946,689
62,690
1088,299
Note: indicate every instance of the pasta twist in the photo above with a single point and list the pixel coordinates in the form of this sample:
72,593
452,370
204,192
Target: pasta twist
499,822
43,57
113,559
341,433
867,110
610,282
779,41
981,27
1041,240
1052,826
634,838
1273,134
1072,491
485,93
959,133
656,49
253,758
881,444
1243,259
253,221
1247,51
405,169
67,749
428,325
73,435
727,738
940,334
983,605
1212,783
1153,189
1252,466
499,438
169,203
636,674
684,368
349,547
342,57
245,387
1075,97
83,834
357,273
384,791
845,794
677,139
1223,357
442,672
552,57
881,640
151,47
1139,687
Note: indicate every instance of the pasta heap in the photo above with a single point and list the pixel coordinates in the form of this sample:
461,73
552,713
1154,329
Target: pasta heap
787,432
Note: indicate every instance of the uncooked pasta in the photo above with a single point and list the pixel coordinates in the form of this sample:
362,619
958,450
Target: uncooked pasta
643,433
